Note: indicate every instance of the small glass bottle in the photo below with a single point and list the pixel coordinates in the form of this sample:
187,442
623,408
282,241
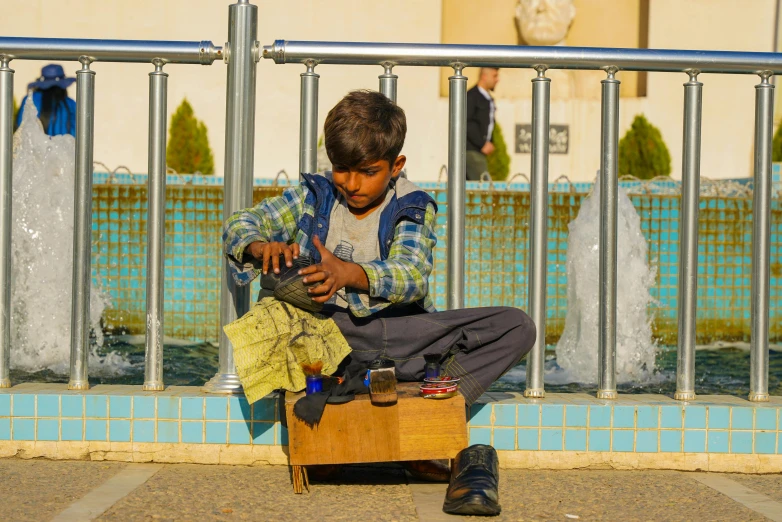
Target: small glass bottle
432,367
314,384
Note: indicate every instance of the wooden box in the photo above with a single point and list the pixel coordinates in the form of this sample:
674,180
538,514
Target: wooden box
412,429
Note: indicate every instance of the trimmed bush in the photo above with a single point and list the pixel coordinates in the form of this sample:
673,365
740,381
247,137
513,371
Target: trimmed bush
188,148
776,145
642,151
499,160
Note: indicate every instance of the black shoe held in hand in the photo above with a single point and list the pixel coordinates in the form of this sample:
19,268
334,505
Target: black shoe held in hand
287,286
474,483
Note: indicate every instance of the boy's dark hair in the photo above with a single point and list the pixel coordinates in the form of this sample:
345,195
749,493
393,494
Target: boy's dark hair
364,127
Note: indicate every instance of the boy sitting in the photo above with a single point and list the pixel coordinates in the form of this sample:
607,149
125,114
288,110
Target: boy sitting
371,236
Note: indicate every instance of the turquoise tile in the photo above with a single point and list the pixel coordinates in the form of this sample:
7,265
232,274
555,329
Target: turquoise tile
24,405
239,432
719,417
239,408
622,440
192,408
553,415
575,440
216,409
5,405
119,430
576,416
167,408
282,434
600,416
95,430
72,429
694,441
48,406
695,417
505,438
551,440
24,429
96,406
479,436
779,445
5,429
143,430
599,440
529,415
766,418
265,410
48,429
740,442
624,416
648,416
192,432
764,442
72,405
671,417
646,441
167,431
741,418
527,439
263,433
216,432
143,408
671,441
718,441
119,407
504,414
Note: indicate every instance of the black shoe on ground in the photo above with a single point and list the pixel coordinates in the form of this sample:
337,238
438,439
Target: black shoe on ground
474,483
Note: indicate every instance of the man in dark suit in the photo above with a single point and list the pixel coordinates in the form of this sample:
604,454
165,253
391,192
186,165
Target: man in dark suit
480,122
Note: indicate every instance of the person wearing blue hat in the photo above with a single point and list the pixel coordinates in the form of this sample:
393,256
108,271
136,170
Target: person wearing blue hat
56,110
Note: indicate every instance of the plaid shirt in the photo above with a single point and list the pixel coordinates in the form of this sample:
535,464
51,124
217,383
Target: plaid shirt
402,278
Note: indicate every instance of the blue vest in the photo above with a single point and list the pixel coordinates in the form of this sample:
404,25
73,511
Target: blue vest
323,194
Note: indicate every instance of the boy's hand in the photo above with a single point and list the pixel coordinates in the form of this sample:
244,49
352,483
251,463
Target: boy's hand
269,254
333,274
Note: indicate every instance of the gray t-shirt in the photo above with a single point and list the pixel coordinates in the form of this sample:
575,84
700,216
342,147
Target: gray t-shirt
354,240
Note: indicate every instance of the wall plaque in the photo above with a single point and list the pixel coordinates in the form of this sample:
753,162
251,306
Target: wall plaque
558,138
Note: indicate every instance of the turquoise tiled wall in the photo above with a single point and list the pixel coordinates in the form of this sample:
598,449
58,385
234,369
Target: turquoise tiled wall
564,422
496,249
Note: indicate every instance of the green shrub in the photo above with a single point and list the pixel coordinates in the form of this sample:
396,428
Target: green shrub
499,160
16,112
776,145
642,151
188,145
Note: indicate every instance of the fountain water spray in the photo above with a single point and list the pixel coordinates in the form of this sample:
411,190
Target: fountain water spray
42,245
577,348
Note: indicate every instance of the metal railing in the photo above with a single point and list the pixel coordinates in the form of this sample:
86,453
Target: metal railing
612,61
242,53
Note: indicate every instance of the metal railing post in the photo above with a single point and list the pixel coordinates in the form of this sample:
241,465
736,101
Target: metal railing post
688,239
388,82
308,122
82,227
457,181
761,231
243,53
538,239
609,145
156,228
6,221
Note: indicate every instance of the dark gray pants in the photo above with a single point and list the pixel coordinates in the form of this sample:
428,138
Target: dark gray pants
476,164
477,344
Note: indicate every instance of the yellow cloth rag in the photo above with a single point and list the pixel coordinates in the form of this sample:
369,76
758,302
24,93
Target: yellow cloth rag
272,340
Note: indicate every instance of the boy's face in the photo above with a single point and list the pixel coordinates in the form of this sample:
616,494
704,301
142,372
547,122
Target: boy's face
364,187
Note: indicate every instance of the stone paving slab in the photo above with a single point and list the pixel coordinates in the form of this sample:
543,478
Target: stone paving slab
36,490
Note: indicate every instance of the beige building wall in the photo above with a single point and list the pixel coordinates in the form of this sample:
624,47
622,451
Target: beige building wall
121,97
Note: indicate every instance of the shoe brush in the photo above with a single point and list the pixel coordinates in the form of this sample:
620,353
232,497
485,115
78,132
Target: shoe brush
382,381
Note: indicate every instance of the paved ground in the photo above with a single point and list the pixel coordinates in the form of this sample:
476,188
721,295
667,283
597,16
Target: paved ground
40,490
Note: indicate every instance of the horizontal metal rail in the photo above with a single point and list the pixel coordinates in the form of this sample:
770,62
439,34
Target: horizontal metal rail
514,56
139,51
